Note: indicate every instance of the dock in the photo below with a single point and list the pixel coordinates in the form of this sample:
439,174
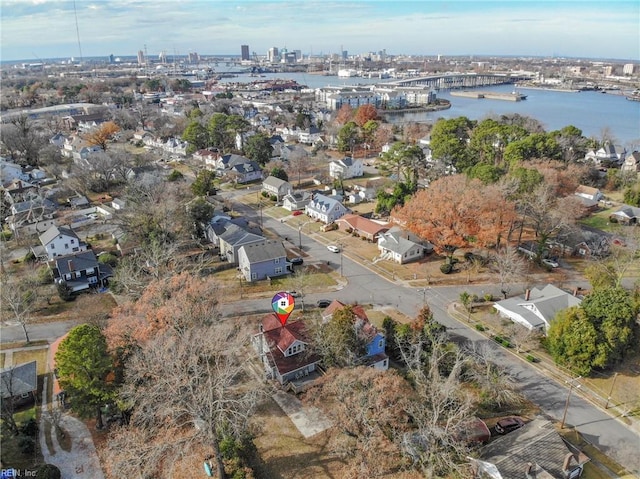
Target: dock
513,96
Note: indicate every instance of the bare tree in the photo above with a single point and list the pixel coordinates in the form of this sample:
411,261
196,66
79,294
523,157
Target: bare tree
187,385
508,267
442,408
19,297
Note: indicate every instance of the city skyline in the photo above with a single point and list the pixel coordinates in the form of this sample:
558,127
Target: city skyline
39,29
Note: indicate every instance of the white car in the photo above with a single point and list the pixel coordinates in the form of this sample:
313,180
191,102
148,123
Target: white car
550,262
333,248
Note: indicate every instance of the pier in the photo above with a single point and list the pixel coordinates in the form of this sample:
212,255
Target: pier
513,96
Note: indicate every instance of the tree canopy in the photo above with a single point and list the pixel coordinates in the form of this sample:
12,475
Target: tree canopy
84,365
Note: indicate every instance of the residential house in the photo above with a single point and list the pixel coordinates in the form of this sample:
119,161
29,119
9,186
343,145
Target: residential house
233,238
58,140
537,307
208,157
284,350
78,149
30,211
293,153
396,245
607,154
80,271
628,215
61,241
78,201
632,162
361,226
310,136
589,193
325,208
374,340
118,204
10,171
238,168
18,190
586,242
19,384
536,450
345,168
84,122
276,187
276,142
296,201
260,261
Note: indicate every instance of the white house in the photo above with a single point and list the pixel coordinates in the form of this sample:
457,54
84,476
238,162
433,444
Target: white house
345,168
61,241
589,193
394,246
276,186
537,308
632,162
325,208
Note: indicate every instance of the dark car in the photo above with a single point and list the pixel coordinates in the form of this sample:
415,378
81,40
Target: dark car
296,261
323,303
508,424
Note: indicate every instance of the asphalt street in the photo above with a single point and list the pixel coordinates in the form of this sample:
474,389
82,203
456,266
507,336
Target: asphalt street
361,285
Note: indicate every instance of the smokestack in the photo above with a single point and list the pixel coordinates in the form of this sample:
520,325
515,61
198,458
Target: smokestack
70,265
567,460
527,294
528,471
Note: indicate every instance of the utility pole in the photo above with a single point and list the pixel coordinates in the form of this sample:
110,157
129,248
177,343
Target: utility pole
566,405
615,376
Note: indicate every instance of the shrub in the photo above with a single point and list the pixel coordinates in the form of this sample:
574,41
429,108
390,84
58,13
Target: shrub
29,428
48,471
488,297
108,258
29,257
480,327
446,268
273,198
505,343
531,358
27,445
65,292
264,194
175,175
45,275
6,235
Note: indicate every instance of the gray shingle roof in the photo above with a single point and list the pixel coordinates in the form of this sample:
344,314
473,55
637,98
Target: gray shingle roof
235,235
76,262
18,380
537,443
274,181
396,243
51,233
257,253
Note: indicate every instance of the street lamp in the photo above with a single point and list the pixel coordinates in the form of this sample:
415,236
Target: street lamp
300,237
424,294
566,405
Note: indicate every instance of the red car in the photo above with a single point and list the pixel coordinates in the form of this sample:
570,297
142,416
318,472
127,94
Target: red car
297,213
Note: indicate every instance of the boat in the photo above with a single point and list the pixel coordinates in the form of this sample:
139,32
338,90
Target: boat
633,96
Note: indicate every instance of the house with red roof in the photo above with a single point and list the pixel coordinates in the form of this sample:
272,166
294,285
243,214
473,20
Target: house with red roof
361,226
284,350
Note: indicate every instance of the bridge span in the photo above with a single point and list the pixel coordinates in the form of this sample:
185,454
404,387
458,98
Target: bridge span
461,80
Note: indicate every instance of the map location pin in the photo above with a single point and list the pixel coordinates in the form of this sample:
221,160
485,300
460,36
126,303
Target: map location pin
283,304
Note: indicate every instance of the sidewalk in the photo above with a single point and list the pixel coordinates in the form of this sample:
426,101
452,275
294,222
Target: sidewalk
545,366
81,462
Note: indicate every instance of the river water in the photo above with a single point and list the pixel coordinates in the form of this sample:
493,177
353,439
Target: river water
592,112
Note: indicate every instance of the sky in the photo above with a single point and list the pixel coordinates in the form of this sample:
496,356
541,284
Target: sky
40,29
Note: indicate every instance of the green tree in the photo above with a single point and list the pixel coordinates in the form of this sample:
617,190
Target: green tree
338,341
204,184
236,125
279,172
572,341
258,148
449,142
84,364
405,162
536,146
303,120
217,128
348,136
196,135
485,173
613,313
200,211
632,195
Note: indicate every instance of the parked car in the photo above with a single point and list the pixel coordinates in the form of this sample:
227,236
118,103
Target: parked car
323,303
551,262
333,248
297,213
295,294
296,261
508,424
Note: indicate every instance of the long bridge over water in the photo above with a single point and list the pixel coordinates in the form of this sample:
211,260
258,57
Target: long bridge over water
460,80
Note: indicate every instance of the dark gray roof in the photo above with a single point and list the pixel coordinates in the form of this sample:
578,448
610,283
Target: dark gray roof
257,253
396,243
235,235
627,212
319,201
76,262
537,443
18,380
51,233
274,181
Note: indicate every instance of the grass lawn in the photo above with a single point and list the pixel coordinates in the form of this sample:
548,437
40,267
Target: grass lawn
39,355
600,220
12,453
285,453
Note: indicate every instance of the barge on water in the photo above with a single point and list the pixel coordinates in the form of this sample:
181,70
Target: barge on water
513,96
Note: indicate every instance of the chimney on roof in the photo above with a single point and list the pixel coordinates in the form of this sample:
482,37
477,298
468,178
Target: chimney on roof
575,291
528,471
70,264
527,294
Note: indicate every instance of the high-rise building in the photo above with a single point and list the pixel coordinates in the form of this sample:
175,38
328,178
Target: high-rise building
194,57
245,51
628,69
140,57
273,55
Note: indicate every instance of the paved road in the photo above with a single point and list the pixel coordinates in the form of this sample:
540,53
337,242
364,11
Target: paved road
606,433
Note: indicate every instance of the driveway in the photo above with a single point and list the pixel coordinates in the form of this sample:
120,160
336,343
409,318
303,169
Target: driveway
309,420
